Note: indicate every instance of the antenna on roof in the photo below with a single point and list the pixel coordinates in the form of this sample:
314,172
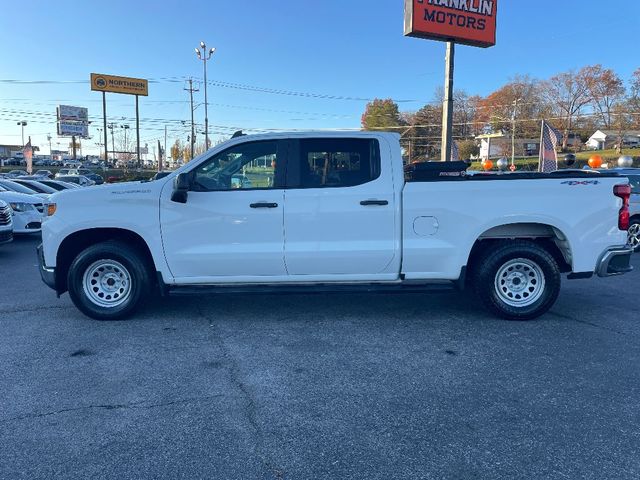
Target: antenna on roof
238,134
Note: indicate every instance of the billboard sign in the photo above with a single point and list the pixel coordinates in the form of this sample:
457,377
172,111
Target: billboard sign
73,121
469,22
115,84
73,114
73,129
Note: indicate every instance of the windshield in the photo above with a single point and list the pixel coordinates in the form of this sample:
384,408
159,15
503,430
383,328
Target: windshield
37,186
16,187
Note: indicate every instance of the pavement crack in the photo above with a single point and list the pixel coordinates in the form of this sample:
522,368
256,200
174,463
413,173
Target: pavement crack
584,322
36,309
124,406
250,409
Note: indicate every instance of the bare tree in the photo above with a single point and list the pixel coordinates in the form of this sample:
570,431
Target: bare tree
567,93
605,90
634,99
623,121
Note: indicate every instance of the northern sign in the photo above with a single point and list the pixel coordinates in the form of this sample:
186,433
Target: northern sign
115,84
469,22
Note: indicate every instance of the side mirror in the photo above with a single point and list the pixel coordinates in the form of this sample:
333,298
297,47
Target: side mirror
181,186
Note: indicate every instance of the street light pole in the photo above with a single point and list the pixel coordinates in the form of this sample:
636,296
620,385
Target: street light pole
204,56
22,124
126,145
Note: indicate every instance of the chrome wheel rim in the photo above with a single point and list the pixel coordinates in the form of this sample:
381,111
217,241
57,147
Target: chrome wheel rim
633,235
107,283
519,282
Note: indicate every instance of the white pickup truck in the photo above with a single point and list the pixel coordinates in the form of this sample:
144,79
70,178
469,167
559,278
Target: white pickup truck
333,212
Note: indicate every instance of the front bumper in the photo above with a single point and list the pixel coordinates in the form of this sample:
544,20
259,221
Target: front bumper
615,261
27,222
47,274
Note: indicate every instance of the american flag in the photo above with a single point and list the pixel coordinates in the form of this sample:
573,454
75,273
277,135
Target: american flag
549,140
27,151
455,153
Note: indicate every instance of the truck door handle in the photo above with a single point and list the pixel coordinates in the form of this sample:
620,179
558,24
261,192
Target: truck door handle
368,203
264,205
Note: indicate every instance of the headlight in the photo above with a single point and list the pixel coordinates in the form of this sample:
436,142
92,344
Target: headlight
21,207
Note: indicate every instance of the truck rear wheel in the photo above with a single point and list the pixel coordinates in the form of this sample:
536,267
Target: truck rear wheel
518,280
108,281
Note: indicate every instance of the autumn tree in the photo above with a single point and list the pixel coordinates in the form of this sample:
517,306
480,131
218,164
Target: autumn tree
186,152
381,115
605,89
176,150
520,98
567,94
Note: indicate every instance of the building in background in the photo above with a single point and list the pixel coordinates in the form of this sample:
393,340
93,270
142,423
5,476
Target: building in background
8,151
496,145
607,139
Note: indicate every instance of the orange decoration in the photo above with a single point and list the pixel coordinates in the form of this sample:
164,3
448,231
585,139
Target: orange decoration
487,164
595,161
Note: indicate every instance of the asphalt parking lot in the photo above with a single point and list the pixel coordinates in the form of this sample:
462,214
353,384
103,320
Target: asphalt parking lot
319,386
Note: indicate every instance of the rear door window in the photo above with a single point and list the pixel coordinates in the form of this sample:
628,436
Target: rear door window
333,162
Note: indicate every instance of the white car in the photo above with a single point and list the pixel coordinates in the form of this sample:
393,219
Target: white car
6,222
72,164
11,186
27,211
334,211
77,179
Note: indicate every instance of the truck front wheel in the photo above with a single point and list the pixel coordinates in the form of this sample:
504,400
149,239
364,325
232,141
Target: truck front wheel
108,281
517,280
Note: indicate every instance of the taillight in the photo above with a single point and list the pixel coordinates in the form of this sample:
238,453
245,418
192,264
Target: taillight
623,192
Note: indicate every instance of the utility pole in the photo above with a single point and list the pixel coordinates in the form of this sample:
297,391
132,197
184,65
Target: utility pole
99,143
165,144
192,89
49,138
206,55
513,131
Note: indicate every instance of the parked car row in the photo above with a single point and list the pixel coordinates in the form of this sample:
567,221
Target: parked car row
79,176
26,199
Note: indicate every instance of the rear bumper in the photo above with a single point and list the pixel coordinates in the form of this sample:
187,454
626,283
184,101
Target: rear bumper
47,274
615,261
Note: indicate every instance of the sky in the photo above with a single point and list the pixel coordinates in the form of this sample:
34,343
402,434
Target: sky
281,64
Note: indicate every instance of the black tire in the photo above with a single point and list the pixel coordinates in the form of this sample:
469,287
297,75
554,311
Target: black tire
634,234
123,266
533,267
